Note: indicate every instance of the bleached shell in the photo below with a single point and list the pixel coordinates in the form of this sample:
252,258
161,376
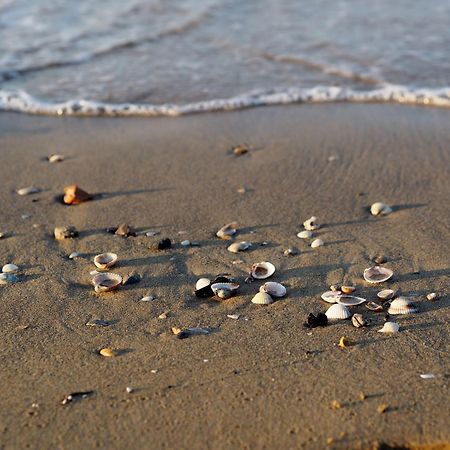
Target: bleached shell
317,243
330,296
55,158
202,282
311,224
105,260
262,270
105,282
338,312
377,274
432,296
380,208
390,327
262,298
236,247
386,294
350,300
28,190
402,305
227,231
305,234
273,289
224,290
10,268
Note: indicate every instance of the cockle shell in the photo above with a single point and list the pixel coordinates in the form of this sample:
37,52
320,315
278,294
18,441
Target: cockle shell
236,247
311,224
227,231
331,296
105,260
262,270
305,234
358,320
10,268
338,312
402,305
105,282
377,274
224,290
317,243
28,190
273,289
350,300
386,294
202,282
262,298
390,327
380,208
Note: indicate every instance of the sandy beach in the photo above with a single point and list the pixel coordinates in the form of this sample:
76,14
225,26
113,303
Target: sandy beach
263,381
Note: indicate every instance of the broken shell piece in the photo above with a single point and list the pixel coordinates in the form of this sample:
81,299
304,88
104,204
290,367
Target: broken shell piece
358,320
348,289
74,255
344,342
202,282
389,327
262,298
290,252
305,234
147,298
28,190
338,312
377,274
402,305
105,282
380,208
273,289
227,231
55,158
163,244
311,224
241,149
432,296
236,247
10,268
105,260
124,230
317,243
73,195
233,316
372,306
350,300
106,352
65,233
262,270
224,290
386,294
331,296
8,278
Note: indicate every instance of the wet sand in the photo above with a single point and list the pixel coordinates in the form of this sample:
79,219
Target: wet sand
263,381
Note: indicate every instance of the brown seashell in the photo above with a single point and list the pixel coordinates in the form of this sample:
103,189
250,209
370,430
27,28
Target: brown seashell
73,195
348,289
105,282
106,352
105,260
358,320
377,274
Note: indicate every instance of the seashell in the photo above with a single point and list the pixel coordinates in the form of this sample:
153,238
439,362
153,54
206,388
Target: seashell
147,298
124,230
106,352
233,316
28,190
74,255
273,289
202,282
311,224
386,294
348,289
331,296
65,233
358,320
305,234
262,270
262,298
8,278
350,300
224,290
55,158
291,252
227,231
432,296
390,327
73,195
377,274
185,243
10,268
163,244
317,243
236,247
338,312
372,306
98,323
427,376
380,208
241,149
335,288
105,260
104,282
402,305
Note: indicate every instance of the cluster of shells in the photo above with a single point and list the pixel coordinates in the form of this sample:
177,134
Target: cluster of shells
311,225
105,282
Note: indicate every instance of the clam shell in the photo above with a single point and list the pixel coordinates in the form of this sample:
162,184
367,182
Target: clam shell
331,296
380,208
317,243
105,260
386,294
390,327
305,234
202,282
358,320
104,282
311,224
236,247
348,289
55,158
262,270
227,231
377,274
28,190
338,312
262,298
402,305
372,306
350,300
10,268
224,290
273,289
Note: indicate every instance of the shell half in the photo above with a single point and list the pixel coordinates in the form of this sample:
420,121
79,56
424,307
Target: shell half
105,282
390,327
262,298
330,296
202,282
386,294
350,300
262,270
227,231
338,312
237,247
377,274
402,305
380,208
10,268
273,289
105,260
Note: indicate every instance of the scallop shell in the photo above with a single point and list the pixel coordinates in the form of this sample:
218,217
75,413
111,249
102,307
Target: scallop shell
338,312
105,260
317,243
273,289
262,270
202,282
105,282
432,296
305,234
311,224
28,190
331,296
377,274
262,298
380,208
386,294
227,231
390,327
10,268
402,305
350,300
236,247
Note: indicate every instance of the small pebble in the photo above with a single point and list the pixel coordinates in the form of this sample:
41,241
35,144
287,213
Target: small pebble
162,316
129,389
74,255
241,190
65,233
335,405
185,243
380,259
382,408
154,371
233,316
147,298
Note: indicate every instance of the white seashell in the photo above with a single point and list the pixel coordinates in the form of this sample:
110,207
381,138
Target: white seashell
236,247
377,274
147,298
291,252
202,282
350,300
305,234
105,260
262,298
380,208
390,327
338,312
227,231
432,296
317,243
427,376
185,243
273,289
233,316
331,296
8,278
9,268
262,270
224,290
55,158
358,320
386,294
311,224
28,190
74,255
402,305
104,282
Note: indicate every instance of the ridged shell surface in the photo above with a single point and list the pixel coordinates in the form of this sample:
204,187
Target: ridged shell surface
402,305
262,298
338,312
390,327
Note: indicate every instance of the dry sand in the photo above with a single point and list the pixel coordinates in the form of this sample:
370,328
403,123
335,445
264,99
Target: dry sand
263,381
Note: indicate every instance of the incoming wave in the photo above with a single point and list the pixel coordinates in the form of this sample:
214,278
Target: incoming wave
21,101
